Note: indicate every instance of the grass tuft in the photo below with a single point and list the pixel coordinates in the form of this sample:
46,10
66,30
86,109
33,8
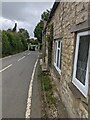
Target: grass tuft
47,87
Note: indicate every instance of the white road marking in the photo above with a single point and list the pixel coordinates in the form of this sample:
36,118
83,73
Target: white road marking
28,53
29,100
21,58
11,56
6,68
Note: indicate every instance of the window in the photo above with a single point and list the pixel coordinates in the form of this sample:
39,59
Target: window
81,62
57,55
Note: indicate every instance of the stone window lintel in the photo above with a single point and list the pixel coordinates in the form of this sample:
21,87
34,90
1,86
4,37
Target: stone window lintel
81,26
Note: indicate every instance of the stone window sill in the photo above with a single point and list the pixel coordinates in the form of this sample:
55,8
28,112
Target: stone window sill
78,95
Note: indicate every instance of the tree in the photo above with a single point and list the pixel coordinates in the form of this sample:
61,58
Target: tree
24,32
6,49
34,41
39,27
9,30
23,41
45,15
38,31
15,28
13,42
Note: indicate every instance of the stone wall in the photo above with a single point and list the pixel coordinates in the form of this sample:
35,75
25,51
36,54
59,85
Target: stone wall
66,15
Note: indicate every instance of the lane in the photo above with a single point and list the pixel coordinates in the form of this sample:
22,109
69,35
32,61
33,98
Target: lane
5,68
24,52
21,58
15,85
13,58
29,100
28,53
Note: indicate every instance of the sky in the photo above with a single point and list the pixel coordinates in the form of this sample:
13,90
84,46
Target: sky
25,14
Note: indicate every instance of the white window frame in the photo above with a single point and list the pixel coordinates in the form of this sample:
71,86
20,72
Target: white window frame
56,48
82,88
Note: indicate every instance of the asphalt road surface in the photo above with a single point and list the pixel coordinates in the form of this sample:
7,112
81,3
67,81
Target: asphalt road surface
16,74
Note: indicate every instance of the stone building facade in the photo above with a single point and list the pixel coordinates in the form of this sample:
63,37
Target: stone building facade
70,54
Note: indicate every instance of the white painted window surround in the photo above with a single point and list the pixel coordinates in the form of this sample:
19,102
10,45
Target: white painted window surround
57,55
80,62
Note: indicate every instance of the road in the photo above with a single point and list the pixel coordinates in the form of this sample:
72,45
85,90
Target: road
16,75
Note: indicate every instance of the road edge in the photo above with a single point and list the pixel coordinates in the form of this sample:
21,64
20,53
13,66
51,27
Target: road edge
29,100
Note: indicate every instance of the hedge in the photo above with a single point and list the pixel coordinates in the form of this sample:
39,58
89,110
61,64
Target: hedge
12,43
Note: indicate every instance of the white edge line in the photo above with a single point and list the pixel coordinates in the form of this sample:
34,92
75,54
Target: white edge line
21,58
29,100
28,53
5,57
10,56
6,68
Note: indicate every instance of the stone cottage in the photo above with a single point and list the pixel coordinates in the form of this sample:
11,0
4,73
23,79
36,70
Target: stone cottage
66,39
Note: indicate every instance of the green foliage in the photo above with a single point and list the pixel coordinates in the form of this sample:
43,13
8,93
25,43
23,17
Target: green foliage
34,41
24,32
46,87
23,41
15,28
6,49
39,27
12,43
50,44
46,82
38,31
45,15
28,40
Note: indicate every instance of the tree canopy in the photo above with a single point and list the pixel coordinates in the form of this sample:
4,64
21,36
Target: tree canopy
13,42
34,41
39,27
15,28
38,31
45,15
24,32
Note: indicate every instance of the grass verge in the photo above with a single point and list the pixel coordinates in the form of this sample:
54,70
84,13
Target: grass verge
47,90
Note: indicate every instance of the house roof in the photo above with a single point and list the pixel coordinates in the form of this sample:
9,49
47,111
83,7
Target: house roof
55,5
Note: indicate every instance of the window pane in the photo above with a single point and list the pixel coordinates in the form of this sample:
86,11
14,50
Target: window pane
58,54
58,44
55,50
82,58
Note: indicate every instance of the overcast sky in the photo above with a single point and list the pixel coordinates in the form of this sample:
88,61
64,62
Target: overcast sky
26,14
